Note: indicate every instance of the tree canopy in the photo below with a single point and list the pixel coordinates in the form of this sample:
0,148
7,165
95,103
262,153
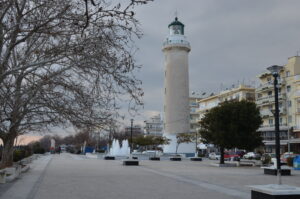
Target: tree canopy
65,62
232,124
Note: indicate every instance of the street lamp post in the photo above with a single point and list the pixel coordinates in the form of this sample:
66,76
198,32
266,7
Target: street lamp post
196,151
131,143
275,72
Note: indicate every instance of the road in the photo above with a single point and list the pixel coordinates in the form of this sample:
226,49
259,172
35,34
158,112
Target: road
68,176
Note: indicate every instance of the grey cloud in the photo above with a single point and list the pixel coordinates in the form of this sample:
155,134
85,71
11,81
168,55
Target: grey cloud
232,40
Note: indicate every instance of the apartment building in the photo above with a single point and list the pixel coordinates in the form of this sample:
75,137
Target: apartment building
289,106
194,115
154,126
241,92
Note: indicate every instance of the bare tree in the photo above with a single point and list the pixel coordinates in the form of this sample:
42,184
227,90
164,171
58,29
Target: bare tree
62,62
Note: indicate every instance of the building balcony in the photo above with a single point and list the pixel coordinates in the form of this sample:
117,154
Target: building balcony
297,78
271,127
268,112
264,87
269,138
268,86
193,130
269,99
194,121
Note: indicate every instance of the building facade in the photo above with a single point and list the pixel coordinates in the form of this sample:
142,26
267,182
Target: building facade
136,130
241,92
154,126
289,107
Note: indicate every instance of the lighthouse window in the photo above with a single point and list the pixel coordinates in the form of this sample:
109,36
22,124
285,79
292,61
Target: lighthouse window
176,30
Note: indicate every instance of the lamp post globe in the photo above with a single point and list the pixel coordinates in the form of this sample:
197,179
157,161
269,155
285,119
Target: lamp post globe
275,69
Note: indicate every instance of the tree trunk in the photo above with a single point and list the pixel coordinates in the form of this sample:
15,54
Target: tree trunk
7,153
222,155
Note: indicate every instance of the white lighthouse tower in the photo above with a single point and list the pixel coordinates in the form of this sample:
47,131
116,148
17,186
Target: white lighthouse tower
176,93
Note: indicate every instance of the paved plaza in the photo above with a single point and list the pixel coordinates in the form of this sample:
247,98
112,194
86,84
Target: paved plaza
68,176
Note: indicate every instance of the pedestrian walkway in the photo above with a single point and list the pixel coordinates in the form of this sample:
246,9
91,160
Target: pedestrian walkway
68,176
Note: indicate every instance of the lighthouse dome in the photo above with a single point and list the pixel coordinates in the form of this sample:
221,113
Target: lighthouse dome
176,27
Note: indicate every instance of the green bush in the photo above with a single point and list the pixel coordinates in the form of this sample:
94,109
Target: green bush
257,158
266,159
38,149
19,154
290,161
100,151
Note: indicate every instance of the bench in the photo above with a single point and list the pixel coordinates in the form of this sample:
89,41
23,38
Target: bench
2,176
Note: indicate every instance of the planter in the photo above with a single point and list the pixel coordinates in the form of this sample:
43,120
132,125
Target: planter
196,159
131,162
273,171
155,158
109,157
273,191
175,158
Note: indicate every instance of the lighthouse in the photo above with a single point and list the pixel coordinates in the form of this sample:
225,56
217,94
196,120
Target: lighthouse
176,88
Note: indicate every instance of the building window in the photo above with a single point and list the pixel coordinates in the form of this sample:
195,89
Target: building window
287,73
289,103
271,121
268,149
279,91
259,95
280,105
288,88
280,121
290,119
270,93
270,107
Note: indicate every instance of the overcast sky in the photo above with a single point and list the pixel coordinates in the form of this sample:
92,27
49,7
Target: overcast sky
232,41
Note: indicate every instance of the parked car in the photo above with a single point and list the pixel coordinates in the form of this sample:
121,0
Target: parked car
214,156
251,155
231,156
287,155
240,153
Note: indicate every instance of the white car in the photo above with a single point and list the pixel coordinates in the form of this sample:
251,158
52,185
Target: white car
251,155
214,156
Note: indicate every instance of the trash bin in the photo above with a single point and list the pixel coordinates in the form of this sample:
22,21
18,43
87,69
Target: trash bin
297,162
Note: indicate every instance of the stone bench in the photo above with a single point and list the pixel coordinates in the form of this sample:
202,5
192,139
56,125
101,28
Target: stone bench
109,157
2,176
154,158
273,171
196,159
247,163
130,162
25,168
175,158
